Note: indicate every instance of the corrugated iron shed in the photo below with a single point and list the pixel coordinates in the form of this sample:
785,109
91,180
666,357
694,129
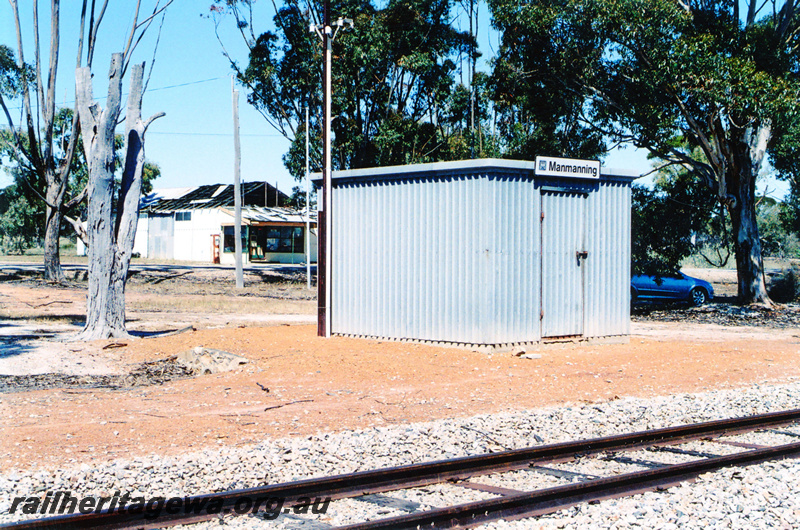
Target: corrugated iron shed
480,252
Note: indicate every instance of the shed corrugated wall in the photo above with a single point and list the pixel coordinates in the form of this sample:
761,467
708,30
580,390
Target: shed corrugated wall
608,280
456,257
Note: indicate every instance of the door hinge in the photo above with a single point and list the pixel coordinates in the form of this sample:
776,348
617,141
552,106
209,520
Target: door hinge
541,314
542,217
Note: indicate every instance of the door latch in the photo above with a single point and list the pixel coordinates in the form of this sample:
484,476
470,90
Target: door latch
582,254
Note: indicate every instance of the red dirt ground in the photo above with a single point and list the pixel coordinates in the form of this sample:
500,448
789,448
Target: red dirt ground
318,385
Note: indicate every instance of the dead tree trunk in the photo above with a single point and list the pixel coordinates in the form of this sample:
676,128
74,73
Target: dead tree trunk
110,243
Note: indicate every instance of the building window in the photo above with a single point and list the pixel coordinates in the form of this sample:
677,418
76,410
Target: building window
276,240
183,216
229,242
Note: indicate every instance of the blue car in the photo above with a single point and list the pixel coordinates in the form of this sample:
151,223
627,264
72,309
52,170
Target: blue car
672,287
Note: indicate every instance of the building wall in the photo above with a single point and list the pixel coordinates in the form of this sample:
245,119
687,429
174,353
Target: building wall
457,256
227,258
140,241
512,218
193,238
607,306
447,258
160,236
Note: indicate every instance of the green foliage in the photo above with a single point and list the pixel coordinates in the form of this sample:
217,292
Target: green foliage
785,157
790,211
674,220
150,172
395,98
10,73
639,70
711,86
298,199
533,80
31,184
20,224
776,241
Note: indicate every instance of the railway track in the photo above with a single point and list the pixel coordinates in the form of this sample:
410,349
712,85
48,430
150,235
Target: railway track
503,502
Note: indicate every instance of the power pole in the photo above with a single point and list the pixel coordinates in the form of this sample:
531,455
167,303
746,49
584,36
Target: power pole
324,228
308,214
237,191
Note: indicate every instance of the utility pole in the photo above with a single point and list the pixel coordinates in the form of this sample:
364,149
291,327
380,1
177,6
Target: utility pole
237,191
327,33
308,214
472,81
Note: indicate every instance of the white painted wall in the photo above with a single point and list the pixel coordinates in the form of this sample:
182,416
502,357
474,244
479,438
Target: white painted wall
192,240
140,243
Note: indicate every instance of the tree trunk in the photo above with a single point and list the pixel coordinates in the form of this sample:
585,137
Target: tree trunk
111,243
52,230
102,305
747,244
747,154
130,191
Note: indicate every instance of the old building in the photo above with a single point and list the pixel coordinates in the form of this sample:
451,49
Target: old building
196,224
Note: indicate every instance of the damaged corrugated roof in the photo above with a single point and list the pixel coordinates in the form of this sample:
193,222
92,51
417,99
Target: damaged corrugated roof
260,214
212,196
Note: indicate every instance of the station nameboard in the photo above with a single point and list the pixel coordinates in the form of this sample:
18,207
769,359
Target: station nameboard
547,166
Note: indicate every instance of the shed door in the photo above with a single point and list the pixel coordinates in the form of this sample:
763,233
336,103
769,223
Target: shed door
563,262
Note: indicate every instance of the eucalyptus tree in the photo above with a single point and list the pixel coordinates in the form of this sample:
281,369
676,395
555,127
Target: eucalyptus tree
393,75
709,85
33,147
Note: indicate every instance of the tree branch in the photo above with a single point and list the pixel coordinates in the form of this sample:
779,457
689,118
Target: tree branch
33,145
77,199
80,228
136,26
93,29
153,118
21,154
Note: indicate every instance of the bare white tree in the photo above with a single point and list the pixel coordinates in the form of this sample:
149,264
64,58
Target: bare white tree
111,238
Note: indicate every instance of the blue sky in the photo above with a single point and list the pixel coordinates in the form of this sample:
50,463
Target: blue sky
193,143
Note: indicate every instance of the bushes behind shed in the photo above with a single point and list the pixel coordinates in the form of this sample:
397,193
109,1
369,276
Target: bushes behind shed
785,286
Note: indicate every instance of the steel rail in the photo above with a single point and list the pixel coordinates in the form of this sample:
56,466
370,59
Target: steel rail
414,475
550,500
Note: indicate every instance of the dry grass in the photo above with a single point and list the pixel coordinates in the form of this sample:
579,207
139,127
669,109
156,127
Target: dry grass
166,289
218,304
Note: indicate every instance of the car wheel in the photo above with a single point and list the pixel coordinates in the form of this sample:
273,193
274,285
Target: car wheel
699,296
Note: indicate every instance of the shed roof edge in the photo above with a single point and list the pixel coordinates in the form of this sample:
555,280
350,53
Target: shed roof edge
449,167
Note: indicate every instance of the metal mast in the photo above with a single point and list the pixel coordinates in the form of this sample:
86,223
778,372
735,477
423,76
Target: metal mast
327,34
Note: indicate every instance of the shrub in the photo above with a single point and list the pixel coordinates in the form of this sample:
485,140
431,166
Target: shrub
786,287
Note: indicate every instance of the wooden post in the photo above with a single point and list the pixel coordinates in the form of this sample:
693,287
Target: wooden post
237,192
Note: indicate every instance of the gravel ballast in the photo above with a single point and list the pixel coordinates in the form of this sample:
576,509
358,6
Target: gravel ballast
760,496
